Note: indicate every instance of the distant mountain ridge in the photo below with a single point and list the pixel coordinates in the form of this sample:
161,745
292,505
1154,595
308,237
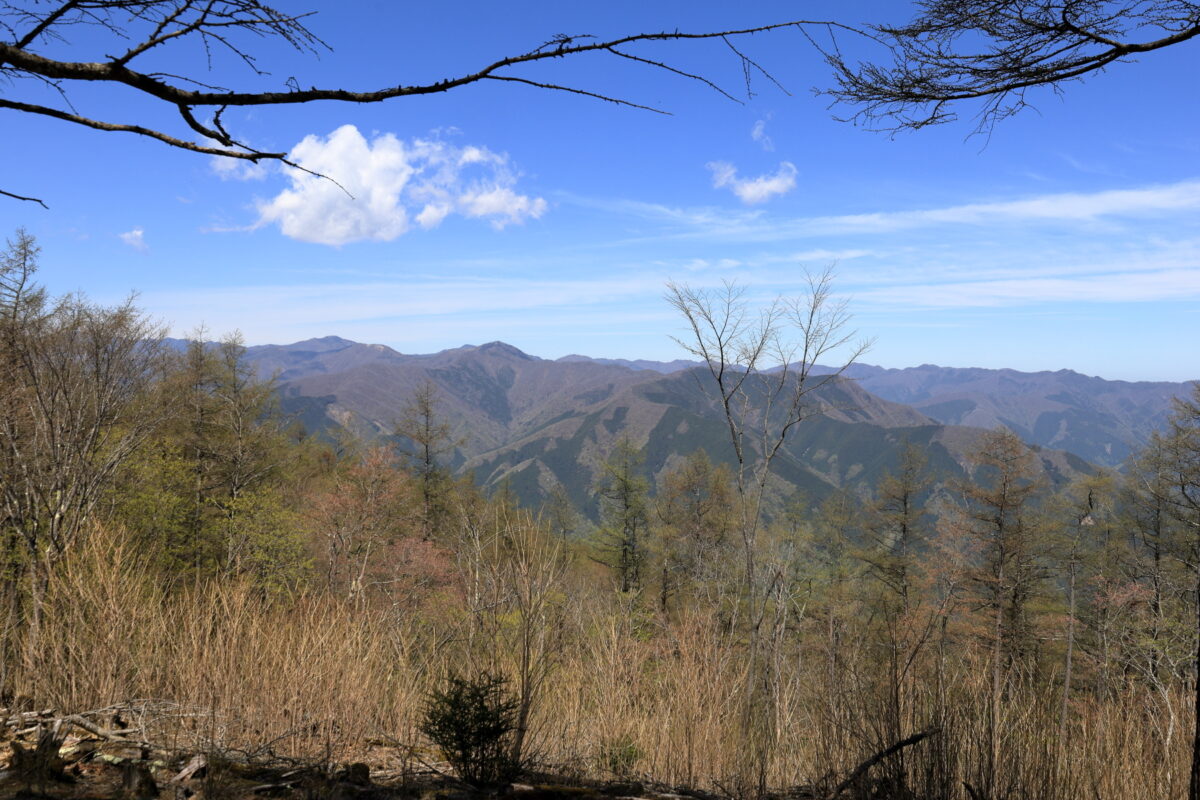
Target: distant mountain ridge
665,367
335,381
535,424
1103,421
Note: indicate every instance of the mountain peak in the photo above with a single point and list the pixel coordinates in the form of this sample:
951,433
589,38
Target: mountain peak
321,344
505,349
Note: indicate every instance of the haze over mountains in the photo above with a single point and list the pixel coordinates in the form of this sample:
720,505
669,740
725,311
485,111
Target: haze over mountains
535,424
1101,420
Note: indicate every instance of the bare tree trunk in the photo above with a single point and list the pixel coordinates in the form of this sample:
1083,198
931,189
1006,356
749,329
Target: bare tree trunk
735,346
9,641
997,691
1194,778
1066,695
896,715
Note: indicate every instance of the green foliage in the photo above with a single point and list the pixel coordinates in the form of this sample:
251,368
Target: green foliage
210,492
155,502
619,754
265,540
624,515
472,721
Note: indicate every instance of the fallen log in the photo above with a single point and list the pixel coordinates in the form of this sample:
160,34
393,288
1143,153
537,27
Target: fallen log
195,765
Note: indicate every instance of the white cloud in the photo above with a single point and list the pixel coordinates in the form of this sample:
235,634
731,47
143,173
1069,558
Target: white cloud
759,134
136,239
391,183
754,190
1121,287
1073,207
238,169
500,203
1098,212
710,218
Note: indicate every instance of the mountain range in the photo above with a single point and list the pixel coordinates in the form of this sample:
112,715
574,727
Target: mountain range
534,424
1103,421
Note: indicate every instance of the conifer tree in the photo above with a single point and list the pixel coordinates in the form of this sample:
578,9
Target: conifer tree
429,440
695,509
624,519
998,516
895,536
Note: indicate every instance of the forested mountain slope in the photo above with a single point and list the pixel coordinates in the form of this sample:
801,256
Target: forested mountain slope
533,424
1100,420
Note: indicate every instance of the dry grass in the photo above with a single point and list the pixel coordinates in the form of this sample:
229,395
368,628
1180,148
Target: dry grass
303,677
625,695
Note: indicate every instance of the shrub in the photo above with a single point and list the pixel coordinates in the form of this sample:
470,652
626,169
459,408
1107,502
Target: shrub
471,721
619,754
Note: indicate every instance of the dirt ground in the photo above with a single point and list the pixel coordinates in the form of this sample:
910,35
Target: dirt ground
91,769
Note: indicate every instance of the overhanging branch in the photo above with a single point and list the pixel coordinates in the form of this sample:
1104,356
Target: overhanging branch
26,199
962,50
152,25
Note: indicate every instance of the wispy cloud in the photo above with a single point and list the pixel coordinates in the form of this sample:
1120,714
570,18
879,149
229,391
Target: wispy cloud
386,185
136,239
759,134
325,304
1068,207
1088,167
1122,287
752,191
708,218
928,267
1077,208
1137,245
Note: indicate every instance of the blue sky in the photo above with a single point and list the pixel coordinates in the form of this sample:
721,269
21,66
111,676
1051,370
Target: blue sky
1070,238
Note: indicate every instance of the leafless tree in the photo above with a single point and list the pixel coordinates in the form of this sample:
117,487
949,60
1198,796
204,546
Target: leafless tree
763,366
512,569
995,51
363,508
73,389
1180,454
762,370
135,31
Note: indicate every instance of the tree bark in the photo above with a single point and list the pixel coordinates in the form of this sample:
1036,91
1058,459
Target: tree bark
1194,778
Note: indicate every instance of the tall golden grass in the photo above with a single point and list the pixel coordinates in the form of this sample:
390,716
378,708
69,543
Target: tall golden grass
626,694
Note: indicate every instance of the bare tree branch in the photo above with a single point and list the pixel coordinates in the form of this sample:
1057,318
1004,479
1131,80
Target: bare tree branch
116,71
584,92
994,51
26,199
143,26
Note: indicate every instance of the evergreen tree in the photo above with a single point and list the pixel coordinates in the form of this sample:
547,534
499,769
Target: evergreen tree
429,439
999,519
208,492
621,540
897,525
695,508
